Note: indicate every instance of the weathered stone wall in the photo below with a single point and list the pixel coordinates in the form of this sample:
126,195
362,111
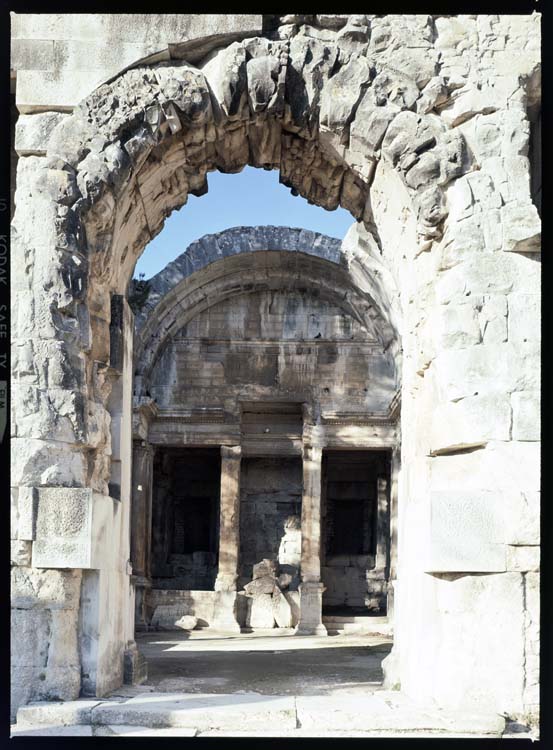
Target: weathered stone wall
419,126
274,345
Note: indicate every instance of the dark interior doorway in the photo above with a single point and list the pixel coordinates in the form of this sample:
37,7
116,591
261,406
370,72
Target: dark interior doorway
185,521
355,530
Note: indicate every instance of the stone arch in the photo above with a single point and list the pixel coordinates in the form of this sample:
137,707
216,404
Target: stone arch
136,147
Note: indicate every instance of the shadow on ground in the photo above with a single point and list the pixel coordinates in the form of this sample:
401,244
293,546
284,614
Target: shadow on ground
268,665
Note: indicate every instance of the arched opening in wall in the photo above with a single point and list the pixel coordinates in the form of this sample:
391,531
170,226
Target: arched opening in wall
277,344
252,197
163,155
254,338
263,352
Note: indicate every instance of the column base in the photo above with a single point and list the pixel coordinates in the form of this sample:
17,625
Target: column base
142,587
311,608
135,667
224,612
306,630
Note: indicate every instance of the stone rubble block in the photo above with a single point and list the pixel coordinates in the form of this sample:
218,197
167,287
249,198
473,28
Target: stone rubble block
199,711
460,201
64,528
462,241
472,421
29,650
470,100
52,413
260,612
434,93
187,622
456,32
225,71
532,627
173,617
492,230
264,568
282,612
293,599
14,513
526,415
418,61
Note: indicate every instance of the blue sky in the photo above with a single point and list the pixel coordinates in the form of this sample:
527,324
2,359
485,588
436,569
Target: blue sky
252,197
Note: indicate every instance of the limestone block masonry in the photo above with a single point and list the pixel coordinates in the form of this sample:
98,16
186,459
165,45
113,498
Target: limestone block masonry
424,128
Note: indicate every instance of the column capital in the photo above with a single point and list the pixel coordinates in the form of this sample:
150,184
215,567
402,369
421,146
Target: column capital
312,451
139,444
231,452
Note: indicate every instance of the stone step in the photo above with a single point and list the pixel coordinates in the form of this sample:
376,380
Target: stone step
196,711
390,711
357,624
355,618
386,712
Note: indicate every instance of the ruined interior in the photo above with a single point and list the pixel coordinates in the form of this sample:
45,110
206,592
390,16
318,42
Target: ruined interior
269,363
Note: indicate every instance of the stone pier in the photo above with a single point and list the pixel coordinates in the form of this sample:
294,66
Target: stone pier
141,525
229,539
311,587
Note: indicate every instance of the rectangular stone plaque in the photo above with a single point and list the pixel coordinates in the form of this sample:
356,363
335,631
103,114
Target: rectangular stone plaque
466,532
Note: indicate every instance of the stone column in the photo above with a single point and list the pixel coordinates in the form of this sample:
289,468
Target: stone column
381,523
311,587
229,540
395,466
141,526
